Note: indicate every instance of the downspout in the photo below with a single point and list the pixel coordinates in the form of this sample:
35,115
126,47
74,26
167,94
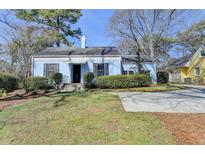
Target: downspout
32,66
102,54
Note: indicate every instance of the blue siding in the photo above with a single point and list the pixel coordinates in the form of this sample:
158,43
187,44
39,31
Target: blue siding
66,68
148,66
115,67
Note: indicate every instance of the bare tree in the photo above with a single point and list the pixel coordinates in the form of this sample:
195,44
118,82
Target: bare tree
4,19
144,32
25,40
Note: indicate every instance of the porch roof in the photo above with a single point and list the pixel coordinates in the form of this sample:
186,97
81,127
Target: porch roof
76,61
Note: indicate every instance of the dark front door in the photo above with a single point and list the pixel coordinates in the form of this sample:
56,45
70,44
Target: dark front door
76,73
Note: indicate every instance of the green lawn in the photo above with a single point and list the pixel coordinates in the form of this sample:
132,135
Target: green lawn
153,88
79,118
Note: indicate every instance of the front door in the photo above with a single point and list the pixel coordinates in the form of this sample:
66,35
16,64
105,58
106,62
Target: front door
76,73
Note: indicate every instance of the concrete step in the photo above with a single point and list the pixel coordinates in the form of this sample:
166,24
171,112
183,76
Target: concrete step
73,87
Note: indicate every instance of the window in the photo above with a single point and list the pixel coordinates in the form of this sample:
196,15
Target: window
101,69
131,72
50,69
197,71
203,53
127,72
124,72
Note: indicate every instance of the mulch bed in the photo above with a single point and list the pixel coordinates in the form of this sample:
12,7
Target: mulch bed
19,97
5,104
187,128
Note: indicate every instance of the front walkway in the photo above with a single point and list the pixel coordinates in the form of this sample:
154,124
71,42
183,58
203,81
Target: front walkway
181,101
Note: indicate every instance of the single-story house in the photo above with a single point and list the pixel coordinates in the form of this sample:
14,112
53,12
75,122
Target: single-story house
189,69
73,63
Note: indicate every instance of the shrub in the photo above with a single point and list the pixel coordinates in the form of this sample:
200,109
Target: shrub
2,92
123,81
162,77
36,83
88,80
57,78
8,82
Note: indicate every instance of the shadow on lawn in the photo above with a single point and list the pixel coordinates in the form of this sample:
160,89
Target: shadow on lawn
18,99
63,95
35,94
60,102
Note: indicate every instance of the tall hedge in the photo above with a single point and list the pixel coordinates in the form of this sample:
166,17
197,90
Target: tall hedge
162,77
36,83
123,81
8,82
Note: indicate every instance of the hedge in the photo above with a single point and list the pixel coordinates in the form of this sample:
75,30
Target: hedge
8,82
162,77
88,80
36,83
123,81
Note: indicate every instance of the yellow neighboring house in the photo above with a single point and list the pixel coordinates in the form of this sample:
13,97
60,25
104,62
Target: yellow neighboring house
189,69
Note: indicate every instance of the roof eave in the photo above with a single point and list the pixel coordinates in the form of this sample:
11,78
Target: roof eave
66,56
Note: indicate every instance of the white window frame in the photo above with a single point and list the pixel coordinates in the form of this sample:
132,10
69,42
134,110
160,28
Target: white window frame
101,72
46,66
127,72
196,71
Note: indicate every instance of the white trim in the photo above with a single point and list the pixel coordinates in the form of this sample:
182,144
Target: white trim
195,71
32,65
76,61
66,59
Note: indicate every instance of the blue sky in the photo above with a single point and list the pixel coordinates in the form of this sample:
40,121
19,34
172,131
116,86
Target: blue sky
92,24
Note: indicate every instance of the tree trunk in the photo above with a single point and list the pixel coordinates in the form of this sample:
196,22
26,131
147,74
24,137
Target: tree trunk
57,29
58,43
151,48
26,72
138,61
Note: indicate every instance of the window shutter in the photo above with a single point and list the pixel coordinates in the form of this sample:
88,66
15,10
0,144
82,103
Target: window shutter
95,69
58,68
106,69
45,70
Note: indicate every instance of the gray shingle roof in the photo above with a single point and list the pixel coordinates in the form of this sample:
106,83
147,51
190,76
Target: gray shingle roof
79,51
180,62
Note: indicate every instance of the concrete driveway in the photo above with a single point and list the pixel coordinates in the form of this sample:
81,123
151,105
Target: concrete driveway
182,101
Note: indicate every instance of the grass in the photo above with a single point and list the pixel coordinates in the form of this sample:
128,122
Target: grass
153,88
79,118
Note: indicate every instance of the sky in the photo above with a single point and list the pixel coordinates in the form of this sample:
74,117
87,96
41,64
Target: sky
92,24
